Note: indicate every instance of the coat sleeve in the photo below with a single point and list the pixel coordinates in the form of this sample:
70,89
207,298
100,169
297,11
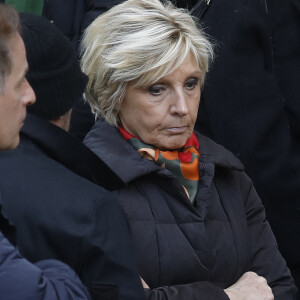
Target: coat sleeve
45,280
266,258
193,291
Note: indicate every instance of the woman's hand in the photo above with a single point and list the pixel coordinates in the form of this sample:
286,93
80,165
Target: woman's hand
145,285
250,287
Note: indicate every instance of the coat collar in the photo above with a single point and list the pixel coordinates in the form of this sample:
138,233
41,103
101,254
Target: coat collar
106,141
68,151
211,152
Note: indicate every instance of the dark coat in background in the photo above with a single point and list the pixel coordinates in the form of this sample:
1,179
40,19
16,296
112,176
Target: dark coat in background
193,252
73,16
250,103
44,280
58,214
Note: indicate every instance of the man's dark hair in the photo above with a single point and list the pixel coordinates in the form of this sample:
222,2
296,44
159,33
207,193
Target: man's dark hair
9,25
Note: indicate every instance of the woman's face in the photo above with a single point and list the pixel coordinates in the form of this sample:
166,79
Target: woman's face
164,114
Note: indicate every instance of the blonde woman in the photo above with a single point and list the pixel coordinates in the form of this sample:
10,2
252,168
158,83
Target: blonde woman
198,226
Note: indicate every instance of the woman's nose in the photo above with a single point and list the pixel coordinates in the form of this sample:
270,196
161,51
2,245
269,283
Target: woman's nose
179,104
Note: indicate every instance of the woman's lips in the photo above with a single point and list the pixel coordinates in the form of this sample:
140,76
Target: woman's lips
177,130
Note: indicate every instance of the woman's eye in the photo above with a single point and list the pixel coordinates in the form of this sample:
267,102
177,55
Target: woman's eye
191,83
156,90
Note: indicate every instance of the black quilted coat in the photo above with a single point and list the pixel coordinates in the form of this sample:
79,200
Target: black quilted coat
193,252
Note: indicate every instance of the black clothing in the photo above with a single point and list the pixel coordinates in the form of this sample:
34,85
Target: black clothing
193,252
44,280
250,104
72,17
82,119
55,74
59,214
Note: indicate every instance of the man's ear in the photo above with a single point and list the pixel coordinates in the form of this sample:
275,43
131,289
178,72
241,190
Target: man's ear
63,121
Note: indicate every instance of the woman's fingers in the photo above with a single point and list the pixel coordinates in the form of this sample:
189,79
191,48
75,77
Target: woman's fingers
250,287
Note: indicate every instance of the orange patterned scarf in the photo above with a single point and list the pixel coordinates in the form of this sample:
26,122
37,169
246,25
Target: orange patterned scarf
183,162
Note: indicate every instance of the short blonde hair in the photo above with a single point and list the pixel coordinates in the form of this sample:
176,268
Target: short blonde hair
141,40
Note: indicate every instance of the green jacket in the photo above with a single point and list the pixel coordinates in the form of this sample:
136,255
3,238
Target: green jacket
28,6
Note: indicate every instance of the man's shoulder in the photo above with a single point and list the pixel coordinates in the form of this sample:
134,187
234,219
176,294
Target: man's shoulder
36,173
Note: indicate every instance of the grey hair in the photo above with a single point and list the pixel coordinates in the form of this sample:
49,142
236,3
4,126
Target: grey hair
141,41
9,25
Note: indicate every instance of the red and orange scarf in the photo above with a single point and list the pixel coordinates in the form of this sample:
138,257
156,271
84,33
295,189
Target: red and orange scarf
183,162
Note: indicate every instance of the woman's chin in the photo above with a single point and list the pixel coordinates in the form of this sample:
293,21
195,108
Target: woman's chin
171,143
